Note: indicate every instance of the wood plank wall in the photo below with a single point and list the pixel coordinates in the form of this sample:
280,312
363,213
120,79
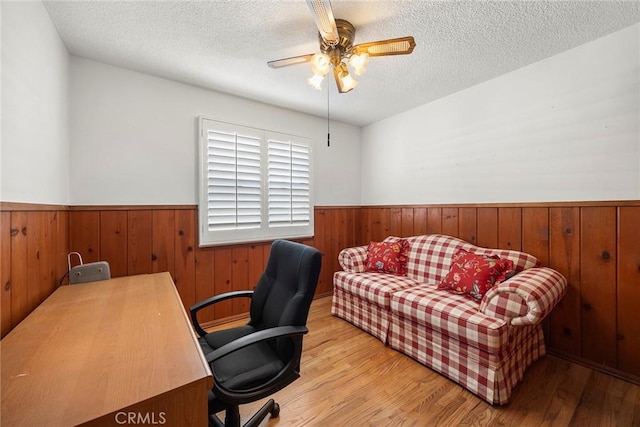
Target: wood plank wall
145,240
595,245
35,240
33,249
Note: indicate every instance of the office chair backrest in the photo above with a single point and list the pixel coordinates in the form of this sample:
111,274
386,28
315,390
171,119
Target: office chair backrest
85,273
284,293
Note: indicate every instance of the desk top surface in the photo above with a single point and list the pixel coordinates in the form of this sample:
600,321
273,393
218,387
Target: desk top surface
92,349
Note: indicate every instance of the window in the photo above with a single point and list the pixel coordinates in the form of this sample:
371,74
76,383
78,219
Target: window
254,185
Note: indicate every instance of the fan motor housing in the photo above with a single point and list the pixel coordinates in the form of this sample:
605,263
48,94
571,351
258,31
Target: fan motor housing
346,36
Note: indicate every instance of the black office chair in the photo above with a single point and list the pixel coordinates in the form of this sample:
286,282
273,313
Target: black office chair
254,361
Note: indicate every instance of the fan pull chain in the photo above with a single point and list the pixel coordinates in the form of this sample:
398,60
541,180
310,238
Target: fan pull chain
328,122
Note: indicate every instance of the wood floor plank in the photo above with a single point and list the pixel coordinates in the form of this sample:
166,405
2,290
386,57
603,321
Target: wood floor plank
566,394
351,379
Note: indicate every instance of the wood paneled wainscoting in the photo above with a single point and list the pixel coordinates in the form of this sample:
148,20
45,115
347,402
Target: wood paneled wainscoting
596,245
35,240
146,240
33,257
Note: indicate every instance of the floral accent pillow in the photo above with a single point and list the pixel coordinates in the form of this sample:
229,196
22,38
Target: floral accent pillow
472,275
387,257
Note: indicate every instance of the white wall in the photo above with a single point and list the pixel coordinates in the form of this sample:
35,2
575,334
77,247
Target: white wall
34,158
134,138
565,128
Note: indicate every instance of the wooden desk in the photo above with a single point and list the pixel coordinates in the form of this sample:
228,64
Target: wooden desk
117,352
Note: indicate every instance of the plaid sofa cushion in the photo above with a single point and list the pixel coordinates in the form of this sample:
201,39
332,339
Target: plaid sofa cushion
376,288
452,315
430,256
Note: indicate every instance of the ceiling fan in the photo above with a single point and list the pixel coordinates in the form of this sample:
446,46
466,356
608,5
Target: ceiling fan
337,49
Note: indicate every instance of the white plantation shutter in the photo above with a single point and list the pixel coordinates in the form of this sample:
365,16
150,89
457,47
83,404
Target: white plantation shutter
301,184
255,185
234,188
289,189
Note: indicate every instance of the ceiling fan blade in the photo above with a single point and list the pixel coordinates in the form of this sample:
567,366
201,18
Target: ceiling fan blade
323,15
399,46
279,63
339,85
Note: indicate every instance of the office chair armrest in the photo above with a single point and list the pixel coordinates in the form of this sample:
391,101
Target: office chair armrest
263,335
209,301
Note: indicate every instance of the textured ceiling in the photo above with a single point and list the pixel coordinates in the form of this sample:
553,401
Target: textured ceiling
225,45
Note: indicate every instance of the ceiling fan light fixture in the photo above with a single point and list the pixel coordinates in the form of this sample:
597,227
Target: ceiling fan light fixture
315,81
337,49
320,64
343,79
359,62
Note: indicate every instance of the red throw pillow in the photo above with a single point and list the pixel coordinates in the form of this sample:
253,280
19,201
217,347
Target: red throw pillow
473,275
387,257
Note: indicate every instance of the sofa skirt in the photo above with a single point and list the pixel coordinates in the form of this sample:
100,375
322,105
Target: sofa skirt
491,377
369,317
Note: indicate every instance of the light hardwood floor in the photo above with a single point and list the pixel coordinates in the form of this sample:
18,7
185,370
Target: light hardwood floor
348,378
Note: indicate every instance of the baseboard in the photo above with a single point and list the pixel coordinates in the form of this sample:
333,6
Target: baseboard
634,379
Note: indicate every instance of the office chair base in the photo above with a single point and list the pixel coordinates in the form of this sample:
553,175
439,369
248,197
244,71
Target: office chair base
271,407
232,416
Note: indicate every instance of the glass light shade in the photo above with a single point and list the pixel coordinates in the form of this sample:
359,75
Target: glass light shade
343,79
316,81
320,64
348,82
359,63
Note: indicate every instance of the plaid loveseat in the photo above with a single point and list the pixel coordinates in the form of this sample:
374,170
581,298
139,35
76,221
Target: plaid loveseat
484,346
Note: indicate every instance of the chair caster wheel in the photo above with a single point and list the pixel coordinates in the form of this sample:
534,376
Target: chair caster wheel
275,412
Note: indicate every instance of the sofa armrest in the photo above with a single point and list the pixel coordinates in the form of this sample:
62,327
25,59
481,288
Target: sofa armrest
526,298
352,260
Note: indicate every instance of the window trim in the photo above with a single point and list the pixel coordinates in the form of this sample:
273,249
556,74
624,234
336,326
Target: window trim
208,237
